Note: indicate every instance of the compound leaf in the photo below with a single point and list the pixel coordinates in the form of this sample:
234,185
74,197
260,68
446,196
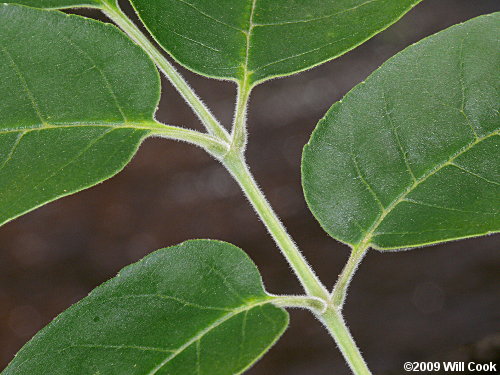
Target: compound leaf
411,156
77,99
254,40
195,308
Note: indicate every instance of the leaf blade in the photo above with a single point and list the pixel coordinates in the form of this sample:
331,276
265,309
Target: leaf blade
378,169
68,120
201,291
253,41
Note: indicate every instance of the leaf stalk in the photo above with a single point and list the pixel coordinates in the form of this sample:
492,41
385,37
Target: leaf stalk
211,144
239,134
340,289
315,304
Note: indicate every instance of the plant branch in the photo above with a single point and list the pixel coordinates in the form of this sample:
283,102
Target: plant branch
229,150
340,289
209,121
332,319
237,167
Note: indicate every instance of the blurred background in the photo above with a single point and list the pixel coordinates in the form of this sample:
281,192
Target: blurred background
438,303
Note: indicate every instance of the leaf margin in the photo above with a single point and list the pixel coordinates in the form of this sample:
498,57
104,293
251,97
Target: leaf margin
144,125
365,242
268,300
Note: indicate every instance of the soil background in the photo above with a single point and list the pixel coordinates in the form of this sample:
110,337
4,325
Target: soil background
436,303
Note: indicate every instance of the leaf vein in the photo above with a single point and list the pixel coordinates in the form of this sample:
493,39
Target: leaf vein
13,149
367,185
204,332
317,18
243,334
369,236
298,55
209,16
60,169
474,174
118,347
445,208
226,283
108,85
177,299
461,76
394,131
25,85
193,40
130,125
248,36
427,231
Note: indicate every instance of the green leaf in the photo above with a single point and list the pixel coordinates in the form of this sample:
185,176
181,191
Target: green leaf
59,4
195,308
77,99
254,40
411,156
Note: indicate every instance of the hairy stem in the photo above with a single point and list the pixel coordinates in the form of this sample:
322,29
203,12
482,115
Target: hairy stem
209,121
340,289
315,304
332,319
237,167
206,141
229,150
329,314
239,132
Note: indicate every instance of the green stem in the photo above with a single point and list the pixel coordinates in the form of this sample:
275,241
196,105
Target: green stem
206,117
340,289
329,315
334,322
208,142
237,167
229,149
315,304
239,132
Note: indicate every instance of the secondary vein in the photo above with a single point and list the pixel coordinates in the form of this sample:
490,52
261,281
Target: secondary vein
205,331
372,231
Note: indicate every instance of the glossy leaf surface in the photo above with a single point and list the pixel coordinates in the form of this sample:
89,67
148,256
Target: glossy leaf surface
412,156
254,40
195,308
77,98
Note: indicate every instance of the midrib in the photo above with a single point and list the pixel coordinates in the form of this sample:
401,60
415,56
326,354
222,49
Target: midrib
132,125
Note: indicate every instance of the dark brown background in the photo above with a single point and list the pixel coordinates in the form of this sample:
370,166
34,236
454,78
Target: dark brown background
436,303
